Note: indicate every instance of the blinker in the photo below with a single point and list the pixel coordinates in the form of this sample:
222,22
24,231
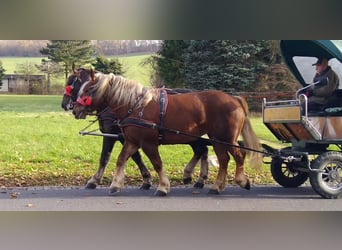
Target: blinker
68,90
85,100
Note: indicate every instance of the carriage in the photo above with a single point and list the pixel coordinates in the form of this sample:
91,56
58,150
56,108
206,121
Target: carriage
315,137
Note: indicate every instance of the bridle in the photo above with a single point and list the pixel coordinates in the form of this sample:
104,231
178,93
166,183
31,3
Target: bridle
86,101
68,91
71,91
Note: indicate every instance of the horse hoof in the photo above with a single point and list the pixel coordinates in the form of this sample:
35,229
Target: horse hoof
114,190
199,185
145,186
90,186
248,185
213,191
187,180
160,193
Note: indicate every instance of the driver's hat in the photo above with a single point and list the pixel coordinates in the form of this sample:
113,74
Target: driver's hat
319,61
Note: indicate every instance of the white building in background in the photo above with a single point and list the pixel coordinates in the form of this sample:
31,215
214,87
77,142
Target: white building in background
22,84
4,86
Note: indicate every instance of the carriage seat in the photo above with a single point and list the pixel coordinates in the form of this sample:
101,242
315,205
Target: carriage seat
332,108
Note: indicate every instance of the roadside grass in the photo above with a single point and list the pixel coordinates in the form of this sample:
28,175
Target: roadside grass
40,146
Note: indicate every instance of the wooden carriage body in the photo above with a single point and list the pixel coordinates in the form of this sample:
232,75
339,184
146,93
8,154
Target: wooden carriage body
290,122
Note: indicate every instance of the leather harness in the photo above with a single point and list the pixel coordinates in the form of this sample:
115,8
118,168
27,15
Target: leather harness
139,122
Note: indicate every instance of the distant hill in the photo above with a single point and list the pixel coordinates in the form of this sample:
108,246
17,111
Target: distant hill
21,48
30,48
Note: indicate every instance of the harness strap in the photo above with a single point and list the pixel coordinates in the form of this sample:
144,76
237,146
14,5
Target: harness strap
162,110
138,122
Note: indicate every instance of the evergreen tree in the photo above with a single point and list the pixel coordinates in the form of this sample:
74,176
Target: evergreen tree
68,52
168,64
108,66
229,65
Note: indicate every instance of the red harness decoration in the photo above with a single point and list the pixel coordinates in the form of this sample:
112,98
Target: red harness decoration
85,101
68,90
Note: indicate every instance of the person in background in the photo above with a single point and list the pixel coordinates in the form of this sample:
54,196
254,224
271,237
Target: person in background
326,82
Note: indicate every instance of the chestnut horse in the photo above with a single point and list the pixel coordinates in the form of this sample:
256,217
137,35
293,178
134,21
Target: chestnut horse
146,113
107,124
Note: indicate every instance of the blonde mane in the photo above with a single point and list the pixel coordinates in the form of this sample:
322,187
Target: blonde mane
121,91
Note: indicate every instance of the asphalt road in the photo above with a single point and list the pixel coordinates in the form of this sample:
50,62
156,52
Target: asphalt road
184,198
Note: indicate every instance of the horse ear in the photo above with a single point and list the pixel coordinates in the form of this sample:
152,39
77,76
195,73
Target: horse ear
73,67
92,74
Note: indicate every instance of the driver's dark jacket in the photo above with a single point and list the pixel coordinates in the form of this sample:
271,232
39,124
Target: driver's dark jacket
328,82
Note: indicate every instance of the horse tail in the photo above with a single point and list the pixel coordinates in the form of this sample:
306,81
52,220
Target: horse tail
249,137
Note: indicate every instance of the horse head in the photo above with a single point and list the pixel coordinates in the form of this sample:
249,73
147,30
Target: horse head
73,86
84,104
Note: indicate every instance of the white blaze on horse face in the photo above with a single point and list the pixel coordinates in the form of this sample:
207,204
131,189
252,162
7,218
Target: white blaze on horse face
81,91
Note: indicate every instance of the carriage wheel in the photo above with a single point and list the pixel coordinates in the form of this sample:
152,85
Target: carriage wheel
285,174
328,181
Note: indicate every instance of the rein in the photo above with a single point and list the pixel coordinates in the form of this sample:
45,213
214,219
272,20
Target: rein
148,124
98,115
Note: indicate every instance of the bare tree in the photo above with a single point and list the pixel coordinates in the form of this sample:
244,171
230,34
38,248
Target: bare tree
27,69
49,68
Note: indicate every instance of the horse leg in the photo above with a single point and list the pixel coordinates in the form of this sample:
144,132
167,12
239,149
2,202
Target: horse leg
143,170
189,169
107,147
153,154
223,159
239,157
200,152
119,175
146,175
204,170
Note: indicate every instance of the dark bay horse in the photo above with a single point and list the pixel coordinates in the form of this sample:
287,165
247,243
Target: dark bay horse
107,123
183,118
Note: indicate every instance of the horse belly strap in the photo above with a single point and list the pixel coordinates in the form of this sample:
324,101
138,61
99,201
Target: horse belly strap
138,122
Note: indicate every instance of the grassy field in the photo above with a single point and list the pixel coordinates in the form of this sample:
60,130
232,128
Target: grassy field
40,145
130,63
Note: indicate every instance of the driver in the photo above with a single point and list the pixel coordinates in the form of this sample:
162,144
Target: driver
326,82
